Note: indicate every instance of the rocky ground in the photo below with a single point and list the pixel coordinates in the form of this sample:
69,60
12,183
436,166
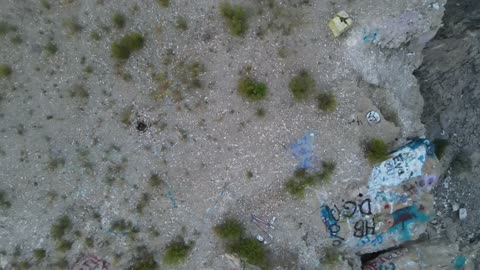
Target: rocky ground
163,141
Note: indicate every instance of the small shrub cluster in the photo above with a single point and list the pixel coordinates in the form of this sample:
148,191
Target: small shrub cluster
247,248
377,151
39,254
251,89
163,3
64,245
123,48
155,181
123,226
327,102
143,202
182,24
5,71
144,260
440,147
5,27
4,202
235,17
302,178
51,48
187,73
119,20
230,229
72,25
330,258
177,251
60,227
302,85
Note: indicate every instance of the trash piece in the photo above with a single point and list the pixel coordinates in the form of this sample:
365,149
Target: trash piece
462,213
373,117
260,238
340,23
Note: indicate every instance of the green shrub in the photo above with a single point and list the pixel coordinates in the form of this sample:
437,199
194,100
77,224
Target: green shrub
45,4
95,36
119,20
16,40
302,85
61,264
72,25
163,3
230,229
176,252
130,43
260,112
189,74
182,24
377,151
155,180
88,69
4,203
64,245
146,262
251,250
302,179
123,226
327,102
5,27
330,258
5,71
89,242
143,202
39,254
235,17
251,89
60,227
51,48
440,147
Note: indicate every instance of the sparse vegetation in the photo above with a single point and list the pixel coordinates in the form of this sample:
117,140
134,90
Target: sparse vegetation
251,89
377,151
181,24
5,71
155,181
330,258
251,250
119,20
230,229
440,147
260,112
235,17
79,91
61,264
4,203
72,26
39,254
163,3
461,163
5,27
123,226
249,174
88,69
16,40
327,102
143,202
95,36
123,48
55,163
60,227
64,245
189,74
126,116
177,251
146,262
302,179
45,4
89,242
51,48
302,85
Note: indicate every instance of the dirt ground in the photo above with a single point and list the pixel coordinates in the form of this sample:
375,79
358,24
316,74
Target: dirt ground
82,136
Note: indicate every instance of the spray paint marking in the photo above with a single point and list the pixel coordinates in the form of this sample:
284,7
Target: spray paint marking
402,218
303,151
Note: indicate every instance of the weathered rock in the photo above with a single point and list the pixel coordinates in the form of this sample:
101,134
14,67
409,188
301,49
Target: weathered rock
396,207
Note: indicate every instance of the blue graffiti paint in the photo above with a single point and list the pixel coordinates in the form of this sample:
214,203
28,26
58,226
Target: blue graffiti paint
370,239
370,37
458,263
419,142
327,216
402,218
172,198
303,151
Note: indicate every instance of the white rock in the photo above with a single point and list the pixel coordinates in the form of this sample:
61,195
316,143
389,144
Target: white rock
455,207
462,213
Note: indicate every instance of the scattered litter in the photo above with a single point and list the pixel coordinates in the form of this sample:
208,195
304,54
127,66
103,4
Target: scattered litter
263,225
260,238
462,213
340,23
373,117
91,262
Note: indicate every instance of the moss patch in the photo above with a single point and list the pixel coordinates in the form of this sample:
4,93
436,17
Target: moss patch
60,227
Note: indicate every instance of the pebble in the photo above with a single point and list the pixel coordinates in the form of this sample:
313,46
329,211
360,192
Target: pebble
455,207
462,213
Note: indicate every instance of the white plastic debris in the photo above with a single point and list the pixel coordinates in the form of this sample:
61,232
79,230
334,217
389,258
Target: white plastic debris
462,213
260,238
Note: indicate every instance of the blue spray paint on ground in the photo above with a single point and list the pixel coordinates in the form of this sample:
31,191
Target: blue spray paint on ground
172,198
303,151
458,263
402,218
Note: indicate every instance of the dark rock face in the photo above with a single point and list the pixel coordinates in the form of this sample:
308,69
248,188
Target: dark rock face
449,80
